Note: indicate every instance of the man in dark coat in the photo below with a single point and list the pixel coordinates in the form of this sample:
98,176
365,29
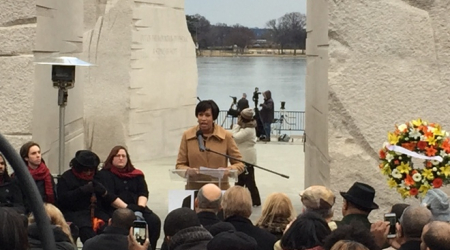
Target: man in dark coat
267,113
410,226
242,103
77,192
237,208
358,203
207,204
10,193
115,235
183,231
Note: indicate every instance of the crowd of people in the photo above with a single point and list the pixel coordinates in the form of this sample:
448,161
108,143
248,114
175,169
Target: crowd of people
98,203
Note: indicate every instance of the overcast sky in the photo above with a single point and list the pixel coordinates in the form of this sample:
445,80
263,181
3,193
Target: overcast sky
250,13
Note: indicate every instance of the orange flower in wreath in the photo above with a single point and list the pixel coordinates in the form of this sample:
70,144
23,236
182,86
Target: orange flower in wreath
446,145
408,145
382,154
429,164
422,145
409,180
431,151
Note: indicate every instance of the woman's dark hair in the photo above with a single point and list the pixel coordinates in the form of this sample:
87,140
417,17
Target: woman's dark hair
307,231
25,149
205,105
356,231
398,209
13,234
6,177
108,163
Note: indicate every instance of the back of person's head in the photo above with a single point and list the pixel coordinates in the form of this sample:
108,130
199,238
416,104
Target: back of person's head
205,105
237,201
356,231
398,209
220,227
209,198
277,207
436,236
412,221
318,199
232,240
307,231
56,218
13,233
123,218
348,245
180,219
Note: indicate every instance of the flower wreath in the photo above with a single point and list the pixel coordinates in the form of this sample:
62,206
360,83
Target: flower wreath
422,140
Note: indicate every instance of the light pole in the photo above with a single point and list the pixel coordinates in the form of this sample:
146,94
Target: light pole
63,78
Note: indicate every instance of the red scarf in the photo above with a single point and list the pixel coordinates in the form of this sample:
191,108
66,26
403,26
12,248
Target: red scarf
83,176
43,173
126,175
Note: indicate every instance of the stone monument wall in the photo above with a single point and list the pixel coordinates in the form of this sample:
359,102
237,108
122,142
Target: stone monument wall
388,64
141,93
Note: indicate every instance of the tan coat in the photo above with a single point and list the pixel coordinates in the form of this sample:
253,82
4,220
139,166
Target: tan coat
221,141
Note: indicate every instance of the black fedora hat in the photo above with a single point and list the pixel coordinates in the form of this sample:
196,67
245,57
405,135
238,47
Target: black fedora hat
361,195
85,159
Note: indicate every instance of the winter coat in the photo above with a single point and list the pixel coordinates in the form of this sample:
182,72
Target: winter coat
245,139
242,104
191,238
221,141
208,219
73,203
265,239
11,196
128,190
267,112
61,239
112,238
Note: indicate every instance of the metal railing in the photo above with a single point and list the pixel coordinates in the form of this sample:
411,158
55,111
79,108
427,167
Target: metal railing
284,120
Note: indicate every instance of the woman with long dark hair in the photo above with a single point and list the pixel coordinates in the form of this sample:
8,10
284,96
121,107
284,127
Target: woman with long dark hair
127,188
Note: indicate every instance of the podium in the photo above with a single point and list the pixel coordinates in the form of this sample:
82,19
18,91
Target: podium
194,181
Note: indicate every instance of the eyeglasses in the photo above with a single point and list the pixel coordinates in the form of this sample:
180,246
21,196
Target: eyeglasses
120,156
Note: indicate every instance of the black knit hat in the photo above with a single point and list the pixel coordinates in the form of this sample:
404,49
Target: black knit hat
232,240
180,219
221,227
85,159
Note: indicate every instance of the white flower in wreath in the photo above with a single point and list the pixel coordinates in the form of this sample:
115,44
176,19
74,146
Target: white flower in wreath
415,134
434,169
417,177
389,157
396,174
402,184
443,154
434,162
402,127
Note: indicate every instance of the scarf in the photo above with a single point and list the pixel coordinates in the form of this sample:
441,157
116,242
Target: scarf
83,176
43,173
122,173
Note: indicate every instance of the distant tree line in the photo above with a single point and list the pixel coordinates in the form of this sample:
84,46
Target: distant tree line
286,32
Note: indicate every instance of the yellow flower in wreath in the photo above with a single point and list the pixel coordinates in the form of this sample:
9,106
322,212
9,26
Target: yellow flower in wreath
445,170
403,168
424,188
403,192
428,173
392,183
392,138
386,170
417,122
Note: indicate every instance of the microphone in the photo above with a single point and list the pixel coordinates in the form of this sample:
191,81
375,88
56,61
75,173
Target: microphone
201,144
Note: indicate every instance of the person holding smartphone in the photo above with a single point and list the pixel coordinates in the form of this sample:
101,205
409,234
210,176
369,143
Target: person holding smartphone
126,188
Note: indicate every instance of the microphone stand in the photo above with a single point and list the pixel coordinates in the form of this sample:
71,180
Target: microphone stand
248,164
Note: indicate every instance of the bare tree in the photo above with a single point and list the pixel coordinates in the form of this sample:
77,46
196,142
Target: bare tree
241,37
289,30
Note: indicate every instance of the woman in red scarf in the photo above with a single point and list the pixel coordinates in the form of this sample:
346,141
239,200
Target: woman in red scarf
127,188
77,191
31,155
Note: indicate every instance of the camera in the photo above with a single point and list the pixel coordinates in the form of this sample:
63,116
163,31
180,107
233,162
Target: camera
63,75
234,99
256,96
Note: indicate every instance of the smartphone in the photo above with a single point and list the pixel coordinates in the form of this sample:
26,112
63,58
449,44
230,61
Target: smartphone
140,231
392,219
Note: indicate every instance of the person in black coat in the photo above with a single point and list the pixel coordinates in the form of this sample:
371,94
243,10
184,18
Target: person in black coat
267,113
10,193
115,235
126,188
237,208
77,192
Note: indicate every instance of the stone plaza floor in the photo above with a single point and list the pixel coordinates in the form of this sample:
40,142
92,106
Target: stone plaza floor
283,157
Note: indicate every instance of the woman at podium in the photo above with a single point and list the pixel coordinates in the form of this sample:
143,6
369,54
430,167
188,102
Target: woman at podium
215,138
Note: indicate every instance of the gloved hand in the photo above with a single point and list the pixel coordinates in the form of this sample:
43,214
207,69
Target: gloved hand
99,189
135,208
87,188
